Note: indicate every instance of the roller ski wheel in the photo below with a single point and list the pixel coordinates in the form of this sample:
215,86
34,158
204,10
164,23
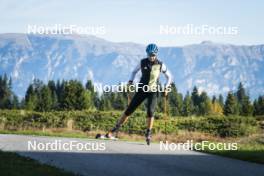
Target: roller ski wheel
148,137
148,141
106,136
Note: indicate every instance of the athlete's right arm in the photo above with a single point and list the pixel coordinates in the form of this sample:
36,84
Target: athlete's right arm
133,74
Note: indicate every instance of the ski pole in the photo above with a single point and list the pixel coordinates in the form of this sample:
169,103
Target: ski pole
165,115
128,97
128,102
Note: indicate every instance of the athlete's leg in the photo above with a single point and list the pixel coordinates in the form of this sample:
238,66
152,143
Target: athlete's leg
138,98
119,123
151,104
150,122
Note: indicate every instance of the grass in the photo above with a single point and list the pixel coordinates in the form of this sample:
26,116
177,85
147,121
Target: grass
181,136
49,132
73,134
12,164
249,149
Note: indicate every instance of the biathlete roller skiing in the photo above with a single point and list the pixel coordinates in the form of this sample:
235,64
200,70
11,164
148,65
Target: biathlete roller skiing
147,89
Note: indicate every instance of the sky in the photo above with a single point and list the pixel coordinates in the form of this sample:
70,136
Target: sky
141,21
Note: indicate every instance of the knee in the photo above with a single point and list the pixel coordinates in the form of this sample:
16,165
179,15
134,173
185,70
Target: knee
150,114
127,112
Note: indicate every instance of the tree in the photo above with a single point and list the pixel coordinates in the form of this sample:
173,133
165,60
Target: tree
241,93
187,105
230,107
221,100
195,96
205,104
15,102
6,93
60,90
74,96
246,107
259,106
214,99
105,102
30,98
54,96
86,100
244,104
89,86
119,102
92,92
44,100
175,101
195,100
217,108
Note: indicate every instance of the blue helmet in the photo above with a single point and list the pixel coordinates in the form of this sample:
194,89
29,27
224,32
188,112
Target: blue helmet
152,49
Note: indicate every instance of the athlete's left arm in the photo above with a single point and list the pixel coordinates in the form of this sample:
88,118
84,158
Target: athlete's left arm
167,74
134,72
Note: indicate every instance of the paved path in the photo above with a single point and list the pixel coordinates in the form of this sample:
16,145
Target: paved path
127,158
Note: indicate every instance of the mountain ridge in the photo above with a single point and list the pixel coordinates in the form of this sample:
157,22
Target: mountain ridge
213,67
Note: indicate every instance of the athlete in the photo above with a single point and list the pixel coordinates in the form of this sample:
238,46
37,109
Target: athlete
147,89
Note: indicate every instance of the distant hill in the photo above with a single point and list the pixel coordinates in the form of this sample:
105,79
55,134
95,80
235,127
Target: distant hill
216,68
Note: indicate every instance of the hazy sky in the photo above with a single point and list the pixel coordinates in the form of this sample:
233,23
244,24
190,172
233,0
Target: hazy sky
140,21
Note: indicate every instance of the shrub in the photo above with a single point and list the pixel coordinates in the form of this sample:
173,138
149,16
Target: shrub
224,126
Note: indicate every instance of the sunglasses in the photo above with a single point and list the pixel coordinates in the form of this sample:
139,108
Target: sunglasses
152,55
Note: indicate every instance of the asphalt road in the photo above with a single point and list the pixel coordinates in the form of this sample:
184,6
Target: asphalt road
116,158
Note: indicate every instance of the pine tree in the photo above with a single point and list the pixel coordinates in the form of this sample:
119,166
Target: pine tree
97,101
54,96
195,100
244,104
221,100
89,86
259,106
86,100
205,105
175,101
74,96
230,107
30,98
105,102
15,102
214,99
93,94
246,107
187,105
6,93
60,90
241,93
44,100
195,96
119,101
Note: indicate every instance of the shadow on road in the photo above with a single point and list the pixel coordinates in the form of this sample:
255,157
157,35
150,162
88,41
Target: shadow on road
115,164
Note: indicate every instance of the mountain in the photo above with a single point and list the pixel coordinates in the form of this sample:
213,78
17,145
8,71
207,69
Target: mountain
214,67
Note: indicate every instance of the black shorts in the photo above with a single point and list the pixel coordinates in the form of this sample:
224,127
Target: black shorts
138,98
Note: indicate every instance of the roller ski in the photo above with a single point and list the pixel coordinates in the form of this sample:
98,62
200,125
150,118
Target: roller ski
106,137
148,137
109,135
